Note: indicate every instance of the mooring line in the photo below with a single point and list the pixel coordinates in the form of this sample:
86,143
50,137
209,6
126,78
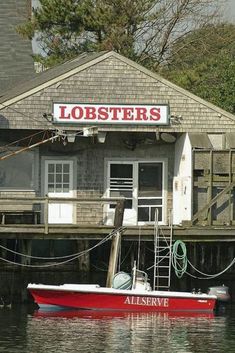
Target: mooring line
77,255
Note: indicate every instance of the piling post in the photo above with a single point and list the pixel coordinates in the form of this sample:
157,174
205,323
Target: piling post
84,258
116,241
46,207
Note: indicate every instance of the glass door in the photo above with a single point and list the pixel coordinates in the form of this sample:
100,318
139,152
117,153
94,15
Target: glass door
121,184
142,185
150,191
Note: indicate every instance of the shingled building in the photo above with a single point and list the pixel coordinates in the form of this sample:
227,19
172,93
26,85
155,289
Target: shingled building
98,128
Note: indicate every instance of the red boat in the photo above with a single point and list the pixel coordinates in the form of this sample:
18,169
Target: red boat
128,294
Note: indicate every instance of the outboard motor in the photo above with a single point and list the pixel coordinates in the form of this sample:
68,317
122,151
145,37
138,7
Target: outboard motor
122,280
222,293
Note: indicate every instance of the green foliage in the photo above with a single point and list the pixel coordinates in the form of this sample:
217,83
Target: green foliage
204,63
66,28
142,30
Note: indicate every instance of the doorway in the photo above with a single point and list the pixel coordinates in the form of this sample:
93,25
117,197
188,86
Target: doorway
143,185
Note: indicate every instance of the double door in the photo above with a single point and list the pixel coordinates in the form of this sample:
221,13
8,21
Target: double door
142,183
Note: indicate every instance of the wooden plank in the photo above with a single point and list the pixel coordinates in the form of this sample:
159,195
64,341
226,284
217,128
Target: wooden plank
210,188
212,202
185,232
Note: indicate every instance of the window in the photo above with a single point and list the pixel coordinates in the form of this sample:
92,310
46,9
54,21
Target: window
18,172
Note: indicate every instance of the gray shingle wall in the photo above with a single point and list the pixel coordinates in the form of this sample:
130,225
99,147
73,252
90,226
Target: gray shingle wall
16,63
114,81
91,171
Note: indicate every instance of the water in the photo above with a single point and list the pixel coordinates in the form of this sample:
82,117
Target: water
23,330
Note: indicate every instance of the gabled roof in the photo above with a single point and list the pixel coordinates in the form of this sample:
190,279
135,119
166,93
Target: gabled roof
82,62
51,76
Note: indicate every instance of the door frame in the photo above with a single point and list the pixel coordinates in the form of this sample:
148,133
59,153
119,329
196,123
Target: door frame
74,173
136,161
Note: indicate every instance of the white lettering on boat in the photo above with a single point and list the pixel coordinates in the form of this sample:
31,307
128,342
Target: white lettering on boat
147,301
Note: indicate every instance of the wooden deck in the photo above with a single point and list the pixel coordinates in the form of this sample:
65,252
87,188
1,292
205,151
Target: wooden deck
187,234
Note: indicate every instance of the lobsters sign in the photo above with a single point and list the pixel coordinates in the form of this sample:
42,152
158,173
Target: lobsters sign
110,114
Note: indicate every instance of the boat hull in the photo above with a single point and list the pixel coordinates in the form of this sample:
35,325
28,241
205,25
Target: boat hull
122,300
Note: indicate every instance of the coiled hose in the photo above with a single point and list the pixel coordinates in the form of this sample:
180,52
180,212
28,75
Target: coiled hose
179,258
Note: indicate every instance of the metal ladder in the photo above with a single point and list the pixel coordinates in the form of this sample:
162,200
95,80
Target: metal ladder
162,256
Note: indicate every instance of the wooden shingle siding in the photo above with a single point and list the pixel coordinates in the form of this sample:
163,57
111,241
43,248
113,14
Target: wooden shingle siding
91,171
115,80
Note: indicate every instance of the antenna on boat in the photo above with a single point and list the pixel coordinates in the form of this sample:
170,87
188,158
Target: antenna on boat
134,275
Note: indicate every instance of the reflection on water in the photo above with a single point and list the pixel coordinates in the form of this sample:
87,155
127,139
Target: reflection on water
90,331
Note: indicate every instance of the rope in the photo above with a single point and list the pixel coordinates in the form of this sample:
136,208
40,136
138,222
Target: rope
180,262
209,276
77,255
179,258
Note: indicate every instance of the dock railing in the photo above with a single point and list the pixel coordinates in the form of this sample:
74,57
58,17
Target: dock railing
38,208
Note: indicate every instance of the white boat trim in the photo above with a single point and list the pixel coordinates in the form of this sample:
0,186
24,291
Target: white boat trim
95,288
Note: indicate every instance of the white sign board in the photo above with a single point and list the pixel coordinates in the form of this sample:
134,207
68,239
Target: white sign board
110,114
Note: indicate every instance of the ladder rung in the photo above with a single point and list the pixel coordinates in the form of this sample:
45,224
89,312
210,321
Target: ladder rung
162,258
163,286
162,247
162,237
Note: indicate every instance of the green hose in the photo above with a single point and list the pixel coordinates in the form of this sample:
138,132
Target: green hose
179,258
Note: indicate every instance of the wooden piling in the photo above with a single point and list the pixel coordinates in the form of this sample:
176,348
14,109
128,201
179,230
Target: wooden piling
26,249
116,241
84,258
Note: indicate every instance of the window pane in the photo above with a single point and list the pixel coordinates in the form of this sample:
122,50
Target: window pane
18,171
153,209
150,179
66,178
66,168
50,187
58,188
121,170
143,214
149,202
58,168
58,178
51,178
51,168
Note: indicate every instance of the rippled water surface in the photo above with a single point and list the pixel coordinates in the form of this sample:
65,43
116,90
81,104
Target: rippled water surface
23,330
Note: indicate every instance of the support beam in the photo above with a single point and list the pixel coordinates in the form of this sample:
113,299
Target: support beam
115,246
113,258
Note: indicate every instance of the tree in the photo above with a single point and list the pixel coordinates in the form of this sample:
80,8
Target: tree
204,63
143,30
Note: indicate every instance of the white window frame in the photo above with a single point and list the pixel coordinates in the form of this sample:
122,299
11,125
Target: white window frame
135,162
74,174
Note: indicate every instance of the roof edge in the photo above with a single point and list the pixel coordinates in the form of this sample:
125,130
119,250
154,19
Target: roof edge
174,86
130,62
50,82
